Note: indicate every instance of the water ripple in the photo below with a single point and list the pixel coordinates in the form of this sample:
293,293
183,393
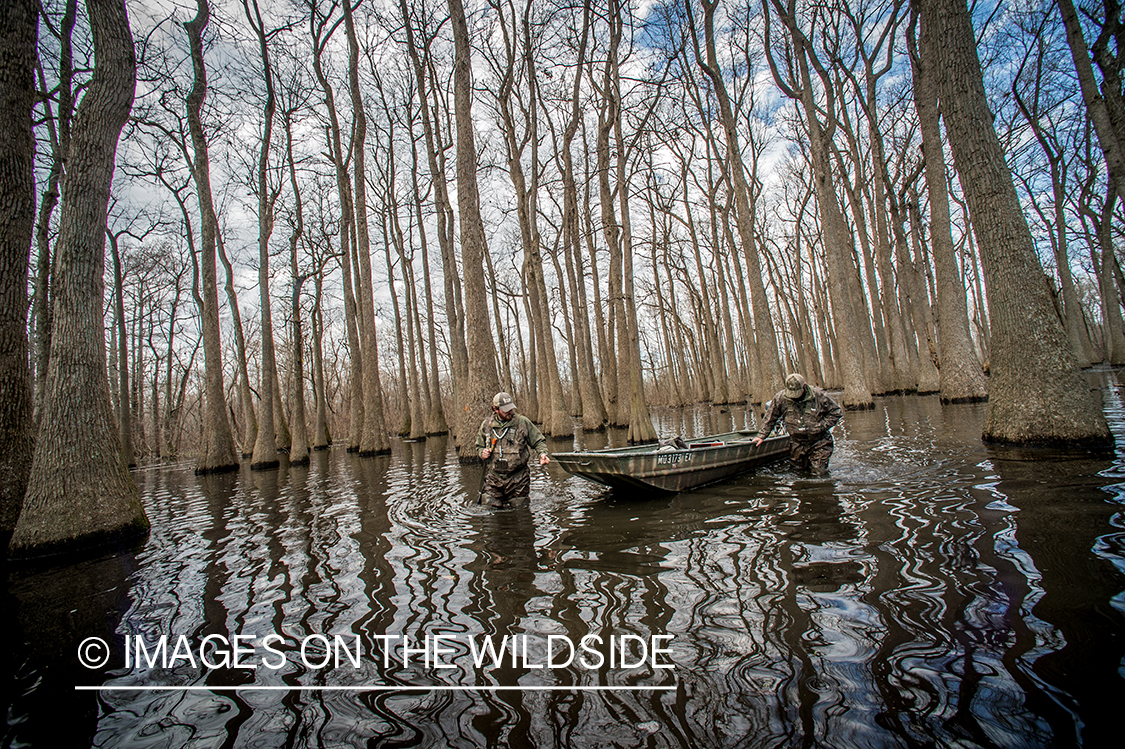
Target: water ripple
929,591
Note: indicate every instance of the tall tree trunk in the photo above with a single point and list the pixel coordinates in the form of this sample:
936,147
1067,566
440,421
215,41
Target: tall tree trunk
60,145
266,446
1037,393
552,408
373,440
482,380
766,350
435,150
245,394
1110,138
914,298
299,444
607,116
217,451
837,240
501,352
714,363
905,376
413,344
79,491
392,234
343,190
137,381
1106,264
167,428
18,22
552,411
602,324
124,412
593,407
1072,316
321,438
435,418
357,412
641,429
751,372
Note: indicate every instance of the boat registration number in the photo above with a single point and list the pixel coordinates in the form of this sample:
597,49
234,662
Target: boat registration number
670,458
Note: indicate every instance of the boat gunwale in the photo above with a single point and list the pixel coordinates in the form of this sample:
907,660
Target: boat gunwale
612,462
696,445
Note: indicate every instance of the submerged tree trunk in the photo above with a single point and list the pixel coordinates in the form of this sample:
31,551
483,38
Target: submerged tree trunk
80,492
960,373
343,190
17,220
299,434
266,446
217,451
475,397
322,440
245,394
1037,393
373,440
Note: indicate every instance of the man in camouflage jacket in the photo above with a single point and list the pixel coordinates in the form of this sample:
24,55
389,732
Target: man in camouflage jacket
809,415
512,437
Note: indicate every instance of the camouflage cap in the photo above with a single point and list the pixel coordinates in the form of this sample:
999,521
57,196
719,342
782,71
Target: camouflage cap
794,386
504,402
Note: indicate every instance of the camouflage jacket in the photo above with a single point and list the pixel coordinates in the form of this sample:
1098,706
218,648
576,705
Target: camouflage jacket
515,439
807,419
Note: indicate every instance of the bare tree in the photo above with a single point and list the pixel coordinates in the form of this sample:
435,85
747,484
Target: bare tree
217,452
961,376
83,497
847,309
1103,105
418,50
766,354
475,396
58,130
1036,393
515,65
269,430
299,447
373,440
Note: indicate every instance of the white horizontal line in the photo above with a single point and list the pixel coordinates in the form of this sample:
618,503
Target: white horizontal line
372,688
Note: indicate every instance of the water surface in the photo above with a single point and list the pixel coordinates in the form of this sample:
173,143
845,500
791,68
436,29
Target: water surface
929,591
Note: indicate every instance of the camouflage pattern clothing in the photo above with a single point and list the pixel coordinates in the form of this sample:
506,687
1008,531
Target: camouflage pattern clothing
508,476
809,421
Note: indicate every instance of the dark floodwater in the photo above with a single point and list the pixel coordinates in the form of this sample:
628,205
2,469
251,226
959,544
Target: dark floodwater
930,591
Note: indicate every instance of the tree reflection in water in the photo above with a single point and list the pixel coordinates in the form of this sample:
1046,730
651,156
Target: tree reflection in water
929,591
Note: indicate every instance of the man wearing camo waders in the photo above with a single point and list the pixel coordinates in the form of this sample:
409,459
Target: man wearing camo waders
512,437
809,415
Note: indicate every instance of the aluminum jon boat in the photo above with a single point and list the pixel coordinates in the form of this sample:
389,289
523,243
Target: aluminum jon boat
705,460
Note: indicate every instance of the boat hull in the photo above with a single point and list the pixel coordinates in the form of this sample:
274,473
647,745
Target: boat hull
707,460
